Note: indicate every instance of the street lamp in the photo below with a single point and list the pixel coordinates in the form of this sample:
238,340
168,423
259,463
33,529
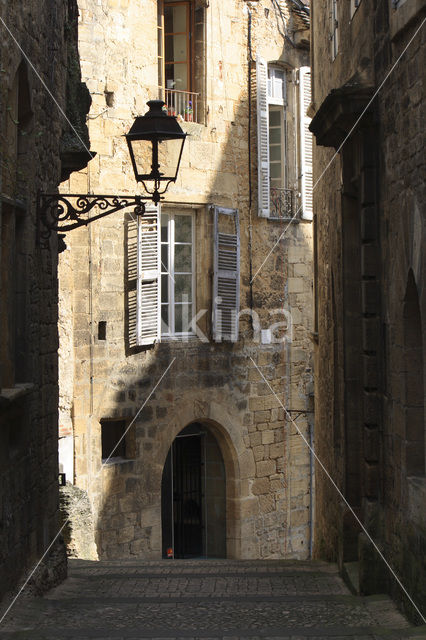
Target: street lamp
155,143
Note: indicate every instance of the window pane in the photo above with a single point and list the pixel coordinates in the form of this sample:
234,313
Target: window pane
165,288
275,152
164,257
183,258
164,227
182,318
175,18
165,318
176,48
177,76
183,229
275,136
274,118
183,288
275,170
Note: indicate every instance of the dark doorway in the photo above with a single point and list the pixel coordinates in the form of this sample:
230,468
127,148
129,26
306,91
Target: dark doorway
193,497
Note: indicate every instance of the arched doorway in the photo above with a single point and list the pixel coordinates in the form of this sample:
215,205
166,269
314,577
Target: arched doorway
193,496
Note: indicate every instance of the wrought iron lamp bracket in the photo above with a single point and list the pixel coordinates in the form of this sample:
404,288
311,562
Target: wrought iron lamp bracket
155,193
64,212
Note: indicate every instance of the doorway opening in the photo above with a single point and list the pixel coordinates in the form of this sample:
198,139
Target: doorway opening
193,496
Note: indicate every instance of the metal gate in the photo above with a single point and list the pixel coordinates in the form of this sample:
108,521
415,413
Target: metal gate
183,508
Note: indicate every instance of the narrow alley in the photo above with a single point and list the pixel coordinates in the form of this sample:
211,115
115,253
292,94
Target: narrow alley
132,599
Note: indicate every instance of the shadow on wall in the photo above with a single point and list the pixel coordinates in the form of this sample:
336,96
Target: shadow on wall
134,516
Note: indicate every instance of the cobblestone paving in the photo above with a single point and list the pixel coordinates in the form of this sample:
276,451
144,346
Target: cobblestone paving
232,600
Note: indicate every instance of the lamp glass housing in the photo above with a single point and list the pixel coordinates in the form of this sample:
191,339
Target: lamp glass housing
155,143
168,154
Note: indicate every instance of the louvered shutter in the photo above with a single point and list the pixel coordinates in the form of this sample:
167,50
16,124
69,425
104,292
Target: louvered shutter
263,182
226,279
148,325
305,142
132,277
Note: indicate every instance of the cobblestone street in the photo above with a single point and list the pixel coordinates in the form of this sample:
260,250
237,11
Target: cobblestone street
128,600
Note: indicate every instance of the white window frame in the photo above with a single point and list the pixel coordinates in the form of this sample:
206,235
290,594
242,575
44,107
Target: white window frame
274,72
334,35
283,145
171,273
354,6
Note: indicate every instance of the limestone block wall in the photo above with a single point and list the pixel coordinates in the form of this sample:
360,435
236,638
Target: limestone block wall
268,473
370,287
31,128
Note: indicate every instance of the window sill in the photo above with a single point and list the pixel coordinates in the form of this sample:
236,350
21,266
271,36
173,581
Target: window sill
12,395
189,337
16,203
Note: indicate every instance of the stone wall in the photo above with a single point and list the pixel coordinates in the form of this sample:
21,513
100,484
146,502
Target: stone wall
31,129
370,292
268,479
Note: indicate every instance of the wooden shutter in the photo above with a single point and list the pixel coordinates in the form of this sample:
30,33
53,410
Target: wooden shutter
148,321
263,182
305,143
226,280
334,29
132,277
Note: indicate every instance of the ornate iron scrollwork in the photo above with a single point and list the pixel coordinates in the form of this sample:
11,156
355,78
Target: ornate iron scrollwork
64,212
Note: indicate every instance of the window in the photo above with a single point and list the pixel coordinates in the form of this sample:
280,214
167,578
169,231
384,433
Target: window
180,72
277,113
118,440
334,36
284,147
277,88
113,436
177,273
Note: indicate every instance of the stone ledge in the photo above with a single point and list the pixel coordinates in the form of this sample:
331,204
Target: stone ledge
11,395
417,500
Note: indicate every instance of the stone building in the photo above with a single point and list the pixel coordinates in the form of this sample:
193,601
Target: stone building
165,419
37,149
371,291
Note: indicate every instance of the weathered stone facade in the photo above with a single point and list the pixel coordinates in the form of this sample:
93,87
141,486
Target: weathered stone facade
371,294
216,386
32,130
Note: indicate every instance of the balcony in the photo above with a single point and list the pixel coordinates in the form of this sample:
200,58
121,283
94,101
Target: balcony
183,104
283,203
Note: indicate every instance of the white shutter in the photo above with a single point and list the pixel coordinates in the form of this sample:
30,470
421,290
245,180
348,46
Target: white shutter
305,143
132,277
263,182
226,278
334,29
148,326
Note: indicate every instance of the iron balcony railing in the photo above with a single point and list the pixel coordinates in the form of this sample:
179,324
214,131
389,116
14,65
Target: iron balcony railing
183,104
283,203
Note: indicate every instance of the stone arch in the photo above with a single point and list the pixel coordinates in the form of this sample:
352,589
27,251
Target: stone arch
231,464
413,368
